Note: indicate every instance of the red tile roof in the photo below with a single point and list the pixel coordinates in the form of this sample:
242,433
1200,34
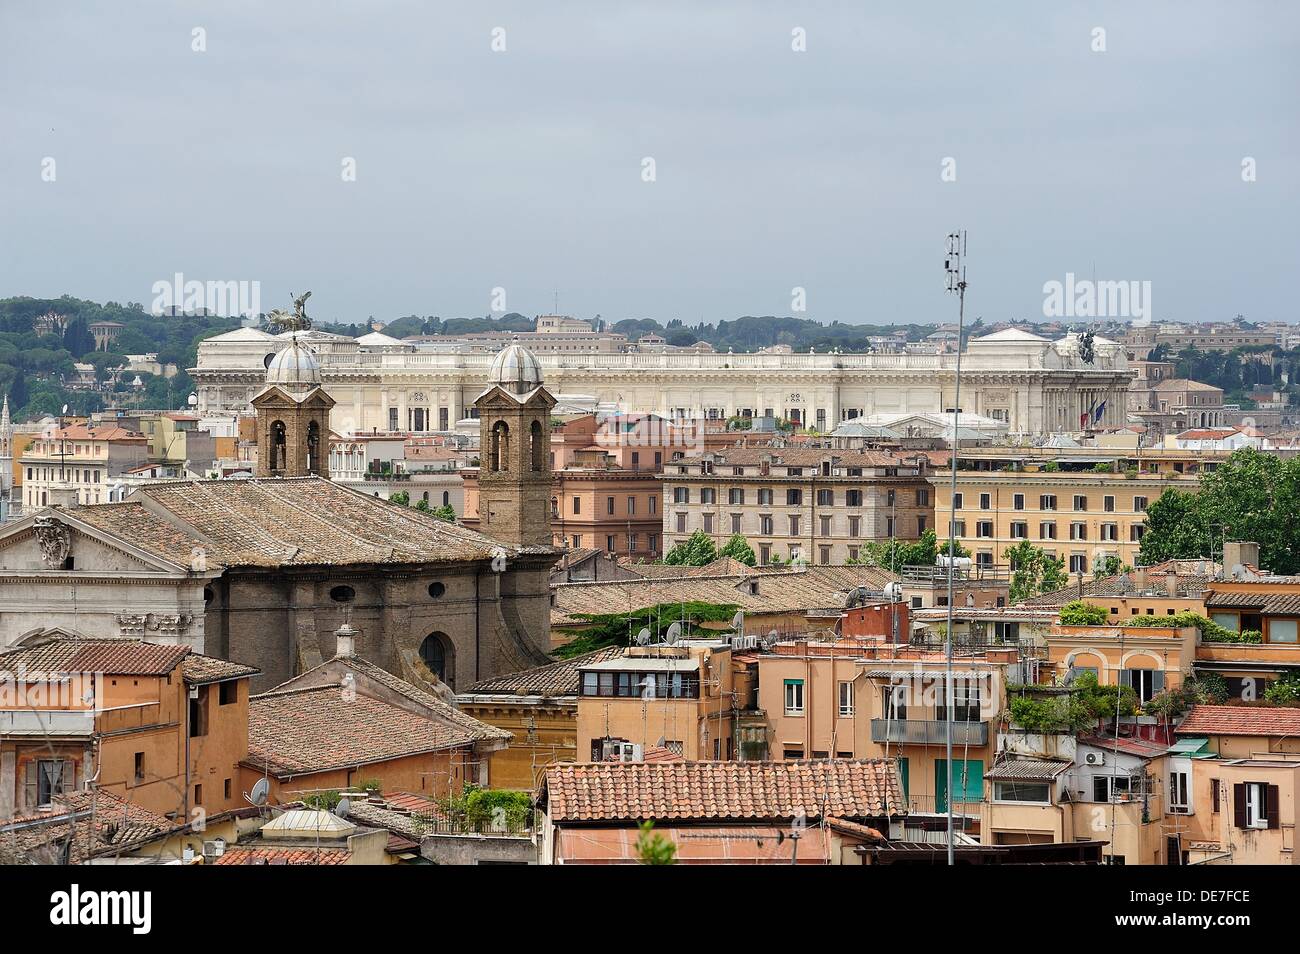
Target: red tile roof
1240,720
670,791
114,657
285,856
299,731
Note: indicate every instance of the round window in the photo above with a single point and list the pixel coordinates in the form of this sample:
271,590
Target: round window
436,590
343,594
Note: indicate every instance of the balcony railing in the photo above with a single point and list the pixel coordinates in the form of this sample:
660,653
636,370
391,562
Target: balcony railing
928,732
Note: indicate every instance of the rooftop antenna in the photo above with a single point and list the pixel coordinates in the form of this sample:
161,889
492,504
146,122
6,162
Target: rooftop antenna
674,633
955,270
643,637
261,791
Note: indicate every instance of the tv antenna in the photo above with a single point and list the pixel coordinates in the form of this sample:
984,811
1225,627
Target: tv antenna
954,267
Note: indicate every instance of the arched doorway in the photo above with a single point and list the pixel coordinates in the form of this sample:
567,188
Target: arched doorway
437,655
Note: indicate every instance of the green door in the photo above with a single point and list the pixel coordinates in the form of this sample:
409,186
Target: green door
966,782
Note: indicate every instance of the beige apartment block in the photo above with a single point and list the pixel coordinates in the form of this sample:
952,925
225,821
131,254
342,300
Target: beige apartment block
1078,516
814,504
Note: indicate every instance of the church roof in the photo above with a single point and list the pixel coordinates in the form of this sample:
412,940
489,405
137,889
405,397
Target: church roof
282,521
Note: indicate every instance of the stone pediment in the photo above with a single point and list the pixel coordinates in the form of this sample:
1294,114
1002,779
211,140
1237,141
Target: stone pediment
275,396
498,397
54,540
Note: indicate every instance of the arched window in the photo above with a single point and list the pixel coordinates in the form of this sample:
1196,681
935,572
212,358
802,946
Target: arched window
499,452
313,448
279,449
535,446
446,498
436,653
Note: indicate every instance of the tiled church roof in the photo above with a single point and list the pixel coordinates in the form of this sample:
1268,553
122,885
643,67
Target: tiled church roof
283,521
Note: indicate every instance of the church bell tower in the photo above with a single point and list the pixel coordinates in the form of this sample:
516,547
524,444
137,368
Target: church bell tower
293,416
515,451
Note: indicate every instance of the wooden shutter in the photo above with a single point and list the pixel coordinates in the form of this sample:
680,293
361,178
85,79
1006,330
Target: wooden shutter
31,790
1157,680
1271,804
1239,805
1214,795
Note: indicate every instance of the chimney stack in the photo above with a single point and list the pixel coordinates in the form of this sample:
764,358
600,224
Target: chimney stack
346,640
1239,552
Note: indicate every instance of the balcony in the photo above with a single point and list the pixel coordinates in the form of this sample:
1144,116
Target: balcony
928,732
43,722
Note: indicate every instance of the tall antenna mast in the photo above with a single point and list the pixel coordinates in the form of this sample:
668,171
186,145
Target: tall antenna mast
955,268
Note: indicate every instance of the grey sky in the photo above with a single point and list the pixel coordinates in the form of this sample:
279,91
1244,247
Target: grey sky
775,169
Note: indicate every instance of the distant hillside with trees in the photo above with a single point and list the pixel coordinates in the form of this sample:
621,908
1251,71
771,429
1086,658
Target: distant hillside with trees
33,365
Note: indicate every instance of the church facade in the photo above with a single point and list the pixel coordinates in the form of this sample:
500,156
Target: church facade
263,571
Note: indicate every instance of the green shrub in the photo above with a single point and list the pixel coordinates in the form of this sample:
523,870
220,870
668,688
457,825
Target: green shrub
1079,613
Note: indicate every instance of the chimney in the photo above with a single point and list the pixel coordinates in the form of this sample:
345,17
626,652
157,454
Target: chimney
1140,579
63,495
1239,552
1171,584
346,640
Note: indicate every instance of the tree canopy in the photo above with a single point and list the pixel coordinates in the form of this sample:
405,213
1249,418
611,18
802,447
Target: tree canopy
1250,496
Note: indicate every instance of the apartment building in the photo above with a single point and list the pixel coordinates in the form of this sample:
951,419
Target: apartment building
81,458
676,697
156,725
869,698
816,505
1072,511
1233,778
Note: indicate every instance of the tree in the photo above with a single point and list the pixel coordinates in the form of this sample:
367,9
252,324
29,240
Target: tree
77,339
1033,571
445,512
653,848
401,497
696,551
1250,496
738,548
422,505
1109,566
893,555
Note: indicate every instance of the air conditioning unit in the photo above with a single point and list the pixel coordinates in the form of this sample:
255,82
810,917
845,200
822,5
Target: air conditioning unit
1094,758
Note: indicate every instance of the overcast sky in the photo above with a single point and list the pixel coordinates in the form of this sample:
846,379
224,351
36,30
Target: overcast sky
774,169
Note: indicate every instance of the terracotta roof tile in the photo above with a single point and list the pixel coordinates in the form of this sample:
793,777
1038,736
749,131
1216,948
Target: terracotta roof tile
557,679
1240,720
298,731
679,790
198,669
779,590
284,521
116,657
119,825
284,856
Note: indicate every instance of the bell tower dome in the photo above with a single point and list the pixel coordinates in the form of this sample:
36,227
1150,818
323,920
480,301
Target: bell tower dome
293,415
515,450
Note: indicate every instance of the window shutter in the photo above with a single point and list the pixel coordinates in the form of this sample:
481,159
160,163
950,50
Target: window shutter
1157,680
1214,795
1239,805
30,790
1126,678
1271,805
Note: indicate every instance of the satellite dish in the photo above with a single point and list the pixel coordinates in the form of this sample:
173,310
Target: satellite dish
738,622
769,640
1238,571
674,634
343,807
261,791
643,637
